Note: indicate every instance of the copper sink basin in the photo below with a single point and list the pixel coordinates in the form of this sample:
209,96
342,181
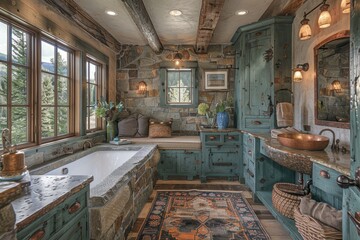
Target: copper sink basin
303,141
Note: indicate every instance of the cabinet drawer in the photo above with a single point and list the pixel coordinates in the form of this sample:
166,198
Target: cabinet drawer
212,139
232,139
42,228
325,179
73,206
257,123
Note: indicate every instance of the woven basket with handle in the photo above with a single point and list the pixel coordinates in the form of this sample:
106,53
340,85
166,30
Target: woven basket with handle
312,229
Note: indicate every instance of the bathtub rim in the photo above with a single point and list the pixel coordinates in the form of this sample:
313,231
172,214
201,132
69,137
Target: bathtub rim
107,188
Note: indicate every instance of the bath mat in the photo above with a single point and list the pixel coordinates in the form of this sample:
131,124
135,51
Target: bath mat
211,215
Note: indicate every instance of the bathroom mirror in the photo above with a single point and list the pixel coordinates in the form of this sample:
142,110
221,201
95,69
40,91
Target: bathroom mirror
332,84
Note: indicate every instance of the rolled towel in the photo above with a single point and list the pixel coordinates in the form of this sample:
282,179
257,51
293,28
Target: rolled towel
284,114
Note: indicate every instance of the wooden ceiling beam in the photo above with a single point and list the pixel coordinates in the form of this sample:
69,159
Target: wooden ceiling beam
282,8
209,17
72,11
138,12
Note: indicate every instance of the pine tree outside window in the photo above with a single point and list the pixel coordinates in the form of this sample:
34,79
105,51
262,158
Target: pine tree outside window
93,93
15,85
56,87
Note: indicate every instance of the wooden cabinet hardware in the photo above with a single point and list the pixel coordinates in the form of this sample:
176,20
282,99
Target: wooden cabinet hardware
39,234
324,174
212,138
231,138
74,208
256,122
250,173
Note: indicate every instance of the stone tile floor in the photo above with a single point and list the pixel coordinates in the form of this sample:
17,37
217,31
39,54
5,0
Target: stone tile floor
271,225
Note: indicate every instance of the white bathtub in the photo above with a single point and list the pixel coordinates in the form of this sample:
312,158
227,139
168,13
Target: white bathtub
99,164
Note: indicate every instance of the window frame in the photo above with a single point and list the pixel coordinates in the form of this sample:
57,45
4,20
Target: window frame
72,80
163,88
100,92
30,80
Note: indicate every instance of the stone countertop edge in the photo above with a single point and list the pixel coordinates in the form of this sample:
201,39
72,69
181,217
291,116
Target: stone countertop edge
337,161
40,200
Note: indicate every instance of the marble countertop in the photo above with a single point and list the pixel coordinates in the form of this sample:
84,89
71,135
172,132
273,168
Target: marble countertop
44,194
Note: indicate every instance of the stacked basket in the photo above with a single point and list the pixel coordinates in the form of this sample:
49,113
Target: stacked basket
311,229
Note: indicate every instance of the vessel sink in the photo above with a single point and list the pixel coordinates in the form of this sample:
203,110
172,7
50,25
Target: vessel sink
302,141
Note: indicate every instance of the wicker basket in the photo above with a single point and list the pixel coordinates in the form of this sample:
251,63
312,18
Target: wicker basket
312,229
286,197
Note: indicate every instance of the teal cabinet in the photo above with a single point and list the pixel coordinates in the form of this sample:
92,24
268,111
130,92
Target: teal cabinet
68,220
179,163
260,172
221,155
263,67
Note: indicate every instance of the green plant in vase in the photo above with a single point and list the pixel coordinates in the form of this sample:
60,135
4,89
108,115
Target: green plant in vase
111,113
204,109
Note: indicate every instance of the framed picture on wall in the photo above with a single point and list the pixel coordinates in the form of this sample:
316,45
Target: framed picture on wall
216,79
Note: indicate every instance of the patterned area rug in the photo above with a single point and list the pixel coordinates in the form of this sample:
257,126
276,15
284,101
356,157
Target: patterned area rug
201,215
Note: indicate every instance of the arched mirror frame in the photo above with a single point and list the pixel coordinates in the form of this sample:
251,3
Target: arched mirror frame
342,34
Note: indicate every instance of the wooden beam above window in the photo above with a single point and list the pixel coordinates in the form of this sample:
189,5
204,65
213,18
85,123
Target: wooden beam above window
209,17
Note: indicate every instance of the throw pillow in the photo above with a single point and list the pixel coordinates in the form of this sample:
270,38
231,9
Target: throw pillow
160,129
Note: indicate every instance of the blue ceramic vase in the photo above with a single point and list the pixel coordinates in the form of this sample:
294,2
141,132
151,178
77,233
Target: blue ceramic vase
222,119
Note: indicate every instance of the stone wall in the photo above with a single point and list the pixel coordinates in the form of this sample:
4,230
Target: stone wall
140,63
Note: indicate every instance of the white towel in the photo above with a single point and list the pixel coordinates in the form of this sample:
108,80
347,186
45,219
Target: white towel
284,114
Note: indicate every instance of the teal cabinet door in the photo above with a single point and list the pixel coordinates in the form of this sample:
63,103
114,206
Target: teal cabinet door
179,163
351,199
78,229
264,67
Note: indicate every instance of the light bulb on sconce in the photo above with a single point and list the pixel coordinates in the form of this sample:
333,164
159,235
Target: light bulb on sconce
345,6
177,59
142,88
298,71
324,20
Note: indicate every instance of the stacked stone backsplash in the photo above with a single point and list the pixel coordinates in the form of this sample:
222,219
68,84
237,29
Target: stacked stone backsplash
140,63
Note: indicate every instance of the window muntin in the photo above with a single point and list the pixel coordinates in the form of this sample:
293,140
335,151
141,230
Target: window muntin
179,87
56,88
15,79
93,93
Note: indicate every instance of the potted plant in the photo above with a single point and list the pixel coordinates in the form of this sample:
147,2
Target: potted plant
204,109
222,115
111,113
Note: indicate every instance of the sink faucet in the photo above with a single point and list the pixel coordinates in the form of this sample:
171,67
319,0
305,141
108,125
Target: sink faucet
87,142
333,135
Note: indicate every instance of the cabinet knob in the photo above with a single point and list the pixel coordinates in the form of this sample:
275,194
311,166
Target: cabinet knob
74,208
39,234
231,137
212,138
250,152
250,140
324,174
346,182
356,220
256,122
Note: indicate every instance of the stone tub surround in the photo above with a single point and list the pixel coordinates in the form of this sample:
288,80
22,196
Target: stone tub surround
45,193
116,202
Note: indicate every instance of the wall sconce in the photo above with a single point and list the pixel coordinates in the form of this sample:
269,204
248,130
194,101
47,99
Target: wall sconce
345,6
177,58
336,86
142,88
297,71
324,20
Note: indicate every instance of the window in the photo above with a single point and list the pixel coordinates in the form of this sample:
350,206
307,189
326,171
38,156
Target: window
93,92
178,87
15,78
56,88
